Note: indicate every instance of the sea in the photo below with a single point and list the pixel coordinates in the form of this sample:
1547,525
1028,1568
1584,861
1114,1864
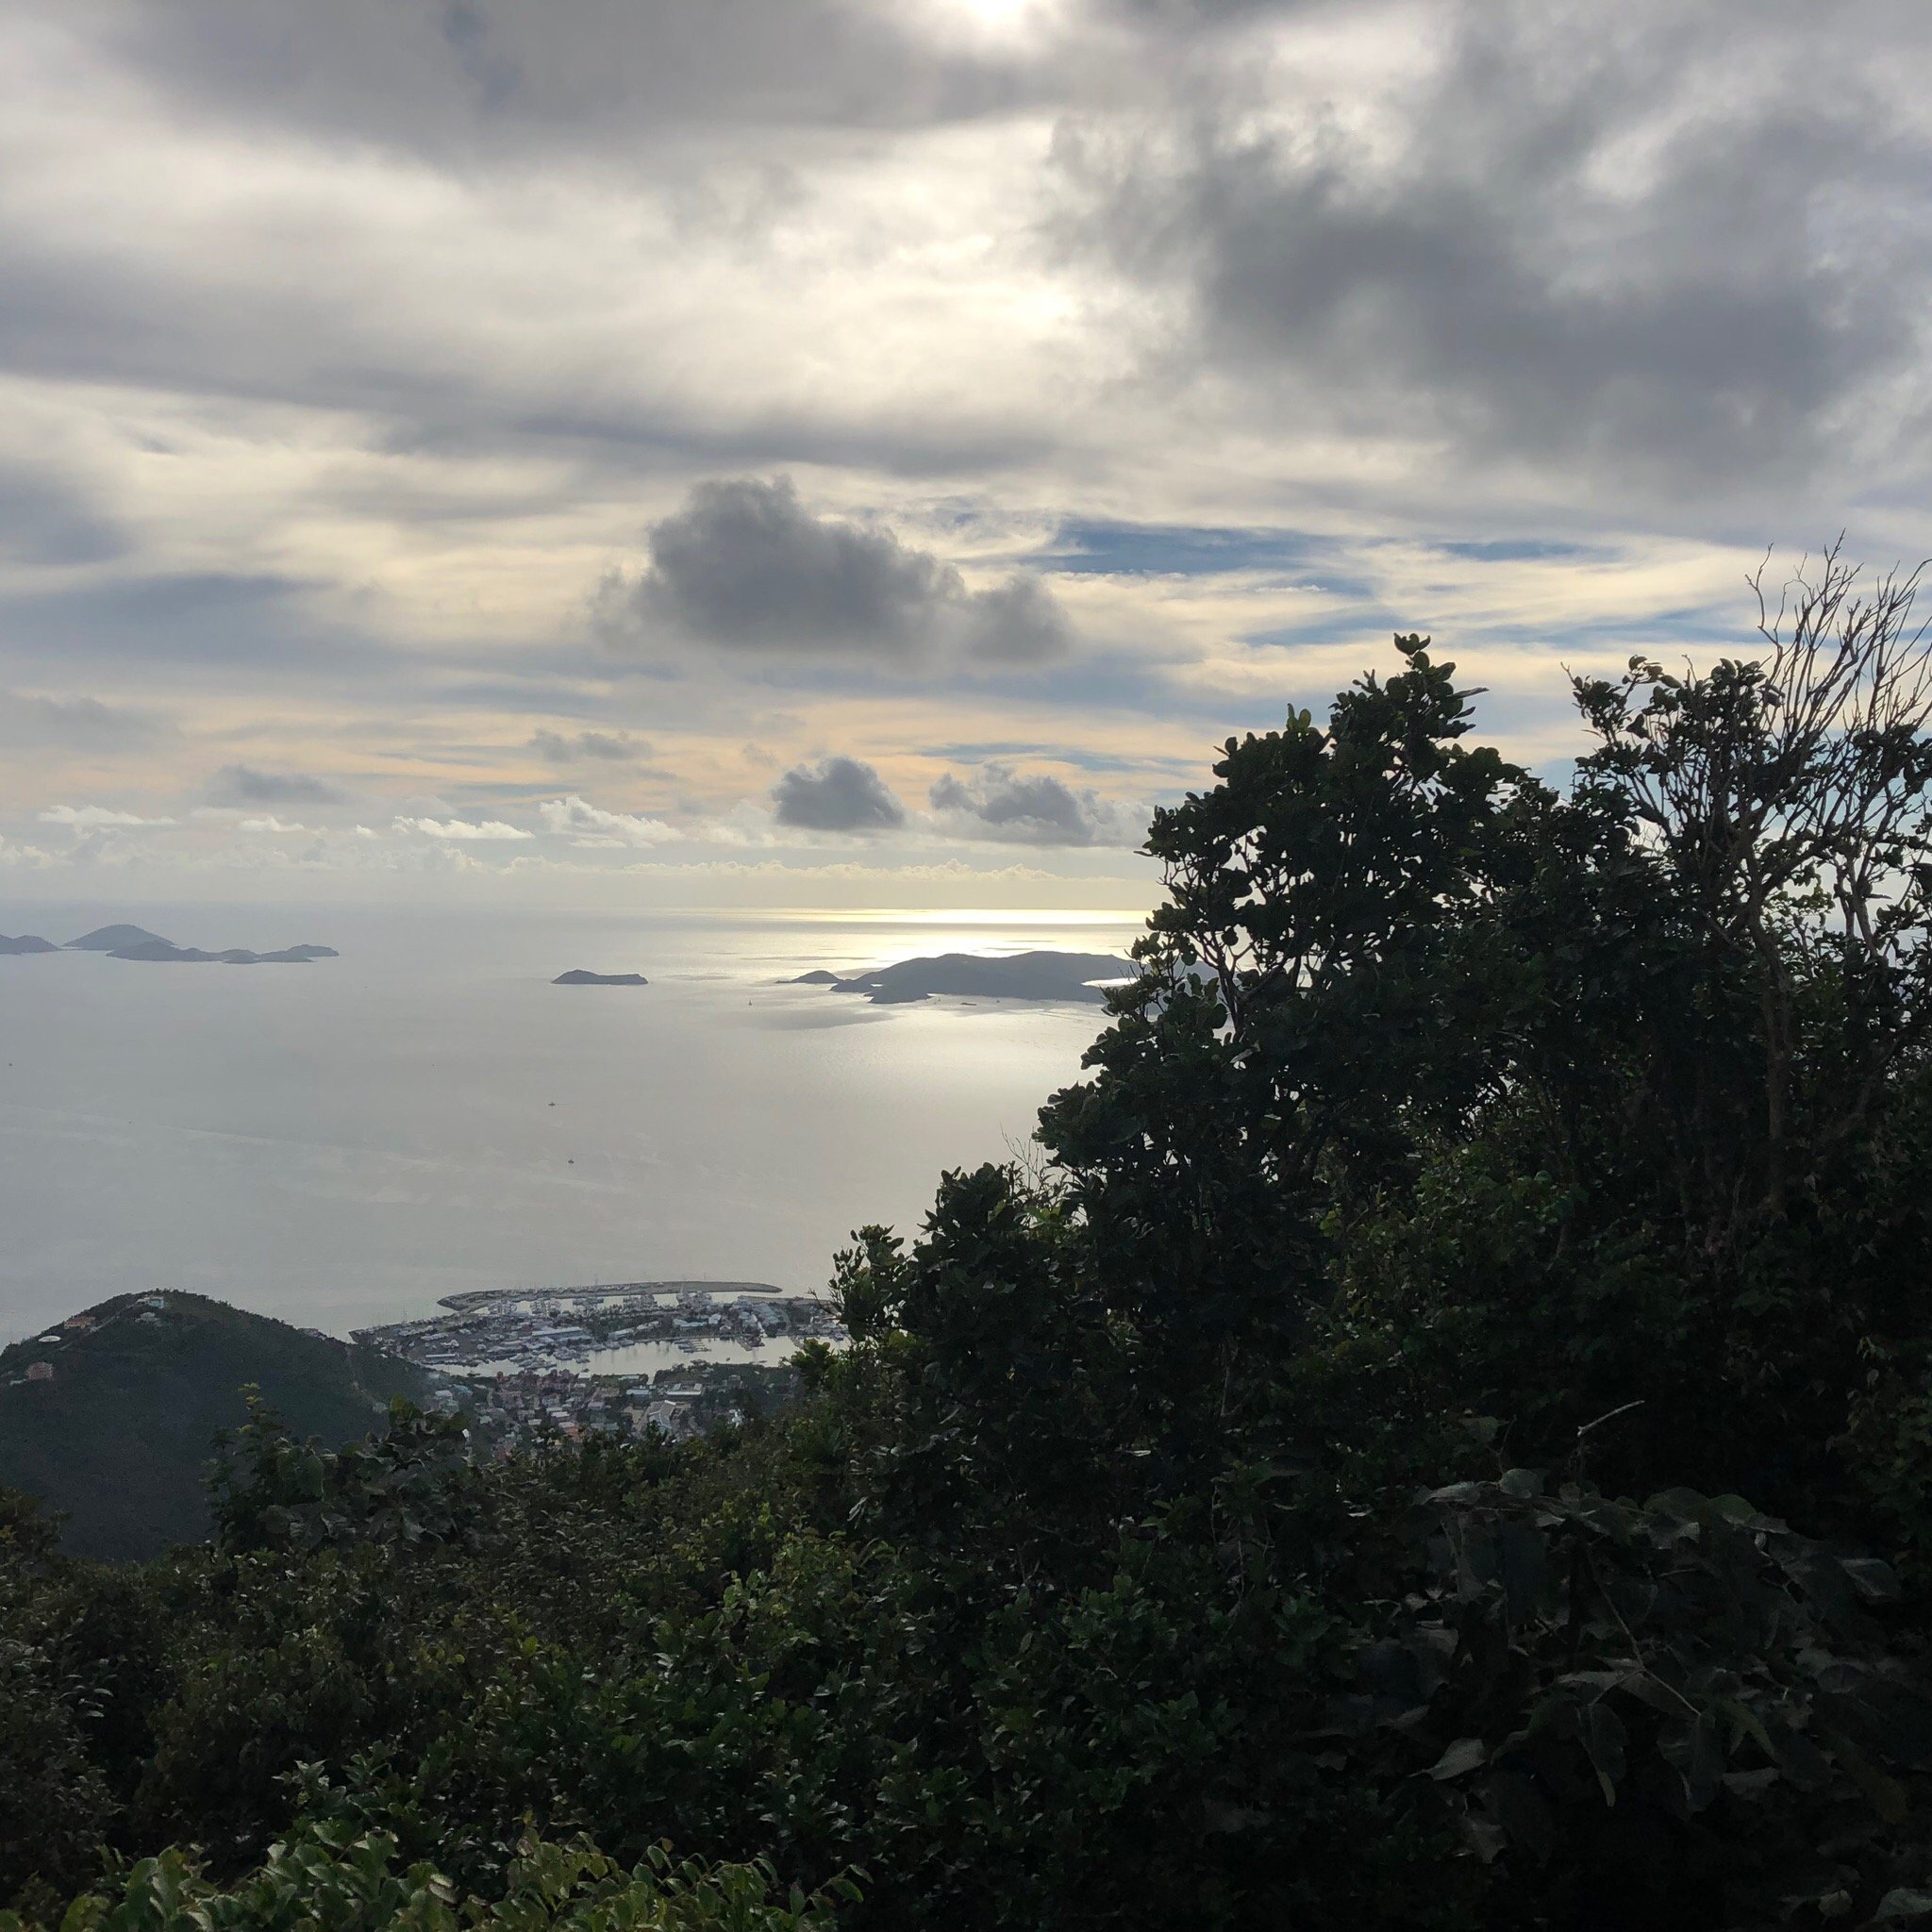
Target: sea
342,1143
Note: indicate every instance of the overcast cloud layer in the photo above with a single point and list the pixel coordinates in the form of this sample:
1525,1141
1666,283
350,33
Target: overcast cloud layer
812,450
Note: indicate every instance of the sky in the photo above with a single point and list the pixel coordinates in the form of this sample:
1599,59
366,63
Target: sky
819,452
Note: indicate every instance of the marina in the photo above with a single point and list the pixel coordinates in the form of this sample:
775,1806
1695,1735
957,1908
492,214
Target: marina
632,1327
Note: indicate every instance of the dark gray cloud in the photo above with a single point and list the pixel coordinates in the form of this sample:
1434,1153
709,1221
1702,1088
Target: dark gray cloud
836,794
744,565
568,749
1012,808
485,77
249,784
1591,245
1018,621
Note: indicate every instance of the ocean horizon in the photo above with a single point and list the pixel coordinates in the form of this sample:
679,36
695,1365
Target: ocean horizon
345,1142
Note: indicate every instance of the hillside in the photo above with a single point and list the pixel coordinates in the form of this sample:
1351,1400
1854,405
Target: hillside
115,1429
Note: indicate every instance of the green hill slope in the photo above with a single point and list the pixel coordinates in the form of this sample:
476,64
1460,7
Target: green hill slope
113,1423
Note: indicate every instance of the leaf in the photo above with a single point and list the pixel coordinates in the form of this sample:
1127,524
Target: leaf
1523,1812
1604,1738
1887,1796
1746,1722
1901,1903
1691,1748
1800,1759
1464,1755
1487,1839
1476,1560
1902,1718
1525,1564
1876,1582
1224,1816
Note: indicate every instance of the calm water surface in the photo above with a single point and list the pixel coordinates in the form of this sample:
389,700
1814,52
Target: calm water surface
344,1142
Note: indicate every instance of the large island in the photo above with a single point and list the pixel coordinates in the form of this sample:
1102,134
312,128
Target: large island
1038,975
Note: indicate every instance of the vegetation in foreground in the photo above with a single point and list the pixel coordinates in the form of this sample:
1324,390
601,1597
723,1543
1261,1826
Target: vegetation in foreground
1442,1441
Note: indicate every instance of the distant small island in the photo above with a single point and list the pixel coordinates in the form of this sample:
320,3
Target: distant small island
578,976
137,943
234,956
1041,976
114,939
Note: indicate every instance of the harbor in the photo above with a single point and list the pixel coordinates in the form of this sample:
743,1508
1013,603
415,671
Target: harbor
632,1327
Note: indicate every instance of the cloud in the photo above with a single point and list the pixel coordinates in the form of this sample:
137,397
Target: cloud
587,825
34,857
489,831
1222,323
837,795
617,747
467,79
1587,246
96,817
745,566
44,520
249,784
1003,805
29,720
268,824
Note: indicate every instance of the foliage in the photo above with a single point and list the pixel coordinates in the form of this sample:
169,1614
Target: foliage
413,1483
322,1881
1669,1711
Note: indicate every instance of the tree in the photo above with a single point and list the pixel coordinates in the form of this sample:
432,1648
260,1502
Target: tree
1308,1009
1791,796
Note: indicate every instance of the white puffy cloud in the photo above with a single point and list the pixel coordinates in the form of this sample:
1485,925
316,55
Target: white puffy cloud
97,818
489,831
36,858
588,824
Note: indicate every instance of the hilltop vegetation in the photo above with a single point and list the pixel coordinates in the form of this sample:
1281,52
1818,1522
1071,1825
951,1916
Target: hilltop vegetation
117,1436
1442,1441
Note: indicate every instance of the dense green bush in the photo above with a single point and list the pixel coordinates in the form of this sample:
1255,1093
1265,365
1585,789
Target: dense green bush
1314,1498
322,1881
